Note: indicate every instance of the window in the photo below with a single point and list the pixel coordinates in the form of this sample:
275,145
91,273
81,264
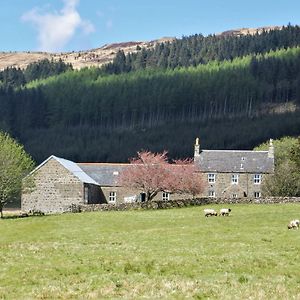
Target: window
257,179
234,195
257,195
112,197
211,194
234,178
165,196
211,178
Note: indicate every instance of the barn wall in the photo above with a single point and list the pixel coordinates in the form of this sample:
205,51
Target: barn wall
52,189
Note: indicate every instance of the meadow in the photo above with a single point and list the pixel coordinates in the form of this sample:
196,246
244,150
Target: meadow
163,254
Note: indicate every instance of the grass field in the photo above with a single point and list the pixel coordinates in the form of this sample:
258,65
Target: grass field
176,253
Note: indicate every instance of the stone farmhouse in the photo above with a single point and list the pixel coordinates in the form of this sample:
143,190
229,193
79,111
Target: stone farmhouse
57,183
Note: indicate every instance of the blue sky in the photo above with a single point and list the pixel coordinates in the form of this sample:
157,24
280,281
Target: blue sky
66,25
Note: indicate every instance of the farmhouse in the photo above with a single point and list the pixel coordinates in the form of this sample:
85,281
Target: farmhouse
234,173
58,184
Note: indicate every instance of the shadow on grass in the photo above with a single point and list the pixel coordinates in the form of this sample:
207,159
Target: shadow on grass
21,216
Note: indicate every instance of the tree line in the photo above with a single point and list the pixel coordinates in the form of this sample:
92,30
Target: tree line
198,49
15,77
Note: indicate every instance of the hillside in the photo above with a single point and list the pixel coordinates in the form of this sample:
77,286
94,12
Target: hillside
251,31
159,99
93,57
105,54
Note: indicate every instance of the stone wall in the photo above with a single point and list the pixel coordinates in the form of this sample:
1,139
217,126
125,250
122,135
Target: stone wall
53,189
158,204
224,188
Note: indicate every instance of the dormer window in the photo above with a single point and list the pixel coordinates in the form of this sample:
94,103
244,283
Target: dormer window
243,158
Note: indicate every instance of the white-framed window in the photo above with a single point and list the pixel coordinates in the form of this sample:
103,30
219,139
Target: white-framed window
165,196
211,193
257,194
211,178
257,179
234,178
112,196
234,195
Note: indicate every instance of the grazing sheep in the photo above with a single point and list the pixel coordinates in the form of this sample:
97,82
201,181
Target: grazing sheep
210,212
293,224
224,211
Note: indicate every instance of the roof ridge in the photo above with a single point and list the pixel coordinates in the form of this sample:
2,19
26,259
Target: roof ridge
252,151
106,164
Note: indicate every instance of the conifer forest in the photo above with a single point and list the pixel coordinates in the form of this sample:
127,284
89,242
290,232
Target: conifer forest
234,92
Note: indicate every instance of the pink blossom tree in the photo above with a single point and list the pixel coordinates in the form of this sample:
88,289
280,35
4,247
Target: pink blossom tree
152,173
185,179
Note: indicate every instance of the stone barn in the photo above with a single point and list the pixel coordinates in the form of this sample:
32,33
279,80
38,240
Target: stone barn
56,184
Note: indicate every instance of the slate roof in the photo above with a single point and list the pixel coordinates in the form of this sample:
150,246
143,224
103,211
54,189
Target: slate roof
105,174
72,167
230,161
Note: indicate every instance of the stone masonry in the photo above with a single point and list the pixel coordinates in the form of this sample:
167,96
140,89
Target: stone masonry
54,189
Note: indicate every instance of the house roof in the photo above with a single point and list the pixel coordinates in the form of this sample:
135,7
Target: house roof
70,166
240,161
105,174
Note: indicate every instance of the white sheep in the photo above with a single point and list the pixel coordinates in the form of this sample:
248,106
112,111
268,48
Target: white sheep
293,224
210,212
224,211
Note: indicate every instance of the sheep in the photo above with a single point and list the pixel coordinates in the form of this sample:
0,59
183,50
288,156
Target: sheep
224,211
293,224
210,212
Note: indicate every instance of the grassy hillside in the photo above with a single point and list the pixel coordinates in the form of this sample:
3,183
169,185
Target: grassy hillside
174,253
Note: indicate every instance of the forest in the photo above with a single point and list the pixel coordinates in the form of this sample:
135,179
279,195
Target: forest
100,114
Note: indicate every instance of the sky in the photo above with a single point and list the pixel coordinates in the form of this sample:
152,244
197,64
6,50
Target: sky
72,25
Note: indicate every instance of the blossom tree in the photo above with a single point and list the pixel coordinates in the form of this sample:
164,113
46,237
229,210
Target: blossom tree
185,178
152,173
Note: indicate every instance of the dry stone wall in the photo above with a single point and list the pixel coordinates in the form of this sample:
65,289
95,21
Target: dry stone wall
158,204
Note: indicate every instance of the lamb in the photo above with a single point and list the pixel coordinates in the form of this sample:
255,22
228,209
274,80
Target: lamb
224,211
210,212
293,224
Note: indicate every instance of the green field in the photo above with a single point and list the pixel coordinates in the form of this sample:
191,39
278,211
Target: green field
176,253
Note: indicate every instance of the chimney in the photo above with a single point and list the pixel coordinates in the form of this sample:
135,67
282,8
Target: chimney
197,148
271,150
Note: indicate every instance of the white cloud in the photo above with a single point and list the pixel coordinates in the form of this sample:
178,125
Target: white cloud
56,29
